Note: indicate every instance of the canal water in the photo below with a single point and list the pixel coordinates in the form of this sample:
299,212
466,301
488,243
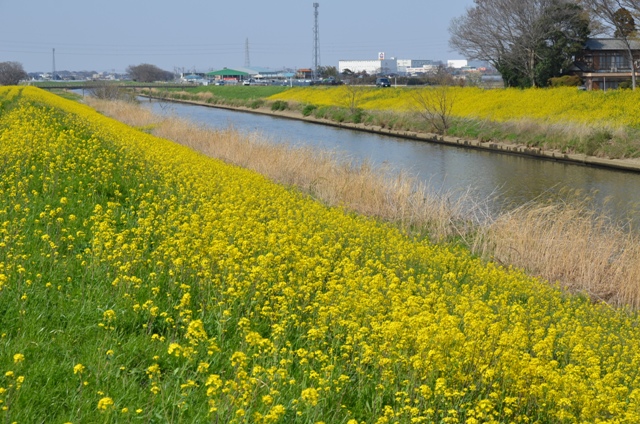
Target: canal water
516,180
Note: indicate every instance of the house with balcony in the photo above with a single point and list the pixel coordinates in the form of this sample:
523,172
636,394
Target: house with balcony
604,63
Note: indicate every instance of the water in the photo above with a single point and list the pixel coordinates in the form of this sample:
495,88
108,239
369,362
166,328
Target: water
516,179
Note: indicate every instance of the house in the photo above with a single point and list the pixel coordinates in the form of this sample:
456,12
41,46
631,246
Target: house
304,73
604,63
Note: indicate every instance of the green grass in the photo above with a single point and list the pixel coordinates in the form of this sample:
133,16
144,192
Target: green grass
237,92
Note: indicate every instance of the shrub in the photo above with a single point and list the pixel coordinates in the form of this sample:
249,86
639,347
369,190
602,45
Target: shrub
625,85
308,109
279,105
338,114
357,116
565,81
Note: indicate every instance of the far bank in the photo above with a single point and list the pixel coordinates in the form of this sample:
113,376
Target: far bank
403,125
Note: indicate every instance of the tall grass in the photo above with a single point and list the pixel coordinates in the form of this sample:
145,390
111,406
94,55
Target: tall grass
562,242
358,187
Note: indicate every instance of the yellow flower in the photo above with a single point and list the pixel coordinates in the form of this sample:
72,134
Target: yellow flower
105,403
78,369
109,315
310,396
17,358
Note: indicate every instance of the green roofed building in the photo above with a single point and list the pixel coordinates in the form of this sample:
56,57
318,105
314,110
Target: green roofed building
228,74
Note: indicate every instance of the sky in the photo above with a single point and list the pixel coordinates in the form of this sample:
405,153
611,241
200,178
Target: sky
206,35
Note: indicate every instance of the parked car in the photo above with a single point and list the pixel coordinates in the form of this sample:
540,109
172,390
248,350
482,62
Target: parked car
383,82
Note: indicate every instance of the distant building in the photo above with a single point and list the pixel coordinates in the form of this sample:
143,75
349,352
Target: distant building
227,75
457,63
420,65
304,73
424,70
604,63
371,67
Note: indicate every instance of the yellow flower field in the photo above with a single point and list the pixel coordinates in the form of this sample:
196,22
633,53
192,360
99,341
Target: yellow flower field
614,108
141,281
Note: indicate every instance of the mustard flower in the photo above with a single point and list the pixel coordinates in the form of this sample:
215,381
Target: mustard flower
105,403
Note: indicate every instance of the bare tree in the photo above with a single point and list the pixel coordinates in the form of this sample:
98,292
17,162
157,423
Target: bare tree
146,72
110,91
611,14
352,94
11,73
434,104
514,35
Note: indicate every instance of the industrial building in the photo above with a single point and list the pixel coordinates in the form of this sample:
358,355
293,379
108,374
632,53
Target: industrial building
383,66
371,67
407,65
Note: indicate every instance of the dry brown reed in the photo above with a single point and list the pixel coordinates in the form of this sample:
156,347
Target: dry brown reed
564,242
570,243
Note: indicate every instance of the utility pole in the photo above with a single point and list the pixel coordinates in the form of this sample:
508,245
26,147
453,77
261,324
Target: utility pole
316,42
53,71
247,62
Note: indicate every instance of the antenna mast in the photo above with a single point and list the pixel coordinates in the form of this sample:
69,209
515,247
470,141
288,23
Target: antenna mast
53,72
247,62
316,42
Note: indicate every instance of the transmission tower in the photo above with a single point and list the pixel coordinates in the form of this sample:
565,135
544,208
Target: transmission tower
53,69
247,62
316,42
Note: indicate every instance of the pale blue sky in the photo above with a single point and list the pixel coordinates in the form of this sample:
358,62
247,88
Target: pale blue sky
208,35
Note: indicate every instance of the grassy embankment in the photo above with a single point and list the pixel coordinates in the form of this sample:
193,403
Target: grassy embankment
252,97
142,281
604,124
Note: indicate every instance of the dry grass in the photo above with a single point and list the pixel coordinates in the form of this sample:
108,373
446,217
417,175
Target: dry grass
571,244
561,241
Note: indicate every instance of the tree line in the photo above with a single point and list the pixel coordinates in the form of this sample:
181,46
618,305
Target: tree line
531,41
11,73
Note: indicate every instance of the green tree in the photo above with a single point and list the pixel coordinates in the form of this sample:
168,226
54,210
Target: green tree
625,25
569,31
327,71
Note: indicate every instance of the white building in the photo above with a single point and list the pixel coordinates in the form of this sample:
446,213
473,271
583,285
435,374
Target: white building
457,64
371,67
404,65
424,69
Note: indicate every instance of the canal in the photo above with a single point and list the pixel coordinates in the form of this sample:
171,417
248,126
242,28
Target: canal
516,180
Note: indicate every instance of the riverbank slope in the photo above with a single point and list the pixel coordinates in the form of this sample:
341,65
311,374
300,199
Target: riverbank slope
297,111
202,291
